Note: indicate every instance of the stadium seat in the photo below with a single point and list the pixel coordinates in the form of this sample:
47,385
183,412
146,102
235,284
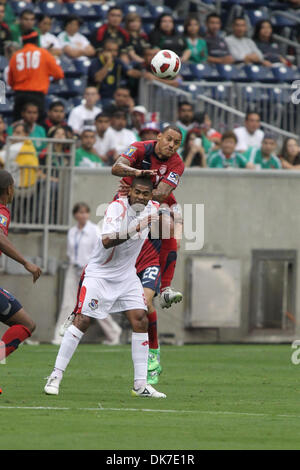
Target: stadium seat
3,63
18,7
7,108
133,8
232,72
57,27
156,11
259,73
82,65
220,93
186,72
83,10
285,74
68,66
204,72
282,21
257,15
76,86
59,88
280,95
101,11
148,27
54,9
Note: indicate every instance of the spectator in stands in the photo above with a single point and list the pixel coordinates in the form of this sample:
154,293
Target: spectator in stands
217,49
266,44
226,156
105,143
72,42
5,34
242,48
26,24
164,35
193,153
84,115
56,115
86,155
139,40
48,40
29,115
3,133
210,137
123,137
112,30
249,135
149,131
138,116
82,238
148,75
186,120
30,69
122,101
196,48
290,154
21,153
9,17
264,157
107,72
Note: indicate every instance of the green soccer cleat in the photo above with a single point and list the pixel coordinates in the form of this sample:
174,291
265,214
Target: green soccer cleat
154,367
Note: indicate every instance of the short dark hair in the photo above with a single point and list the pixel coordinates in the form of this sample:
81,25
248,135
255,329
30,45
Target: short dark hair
173,128
27,11
29,103
54,104
142,180
251,112
238,18
71,18
229,135
269,135
185,103
103,114
212,15
80,205
119,113
6,180
114,7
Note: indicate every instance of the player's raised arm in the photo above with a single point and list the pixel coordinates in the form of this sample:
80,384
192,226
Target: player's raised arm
9,250
122,168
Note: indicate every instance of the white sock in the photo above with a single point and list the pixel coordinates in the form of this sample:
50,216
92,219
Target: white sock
140,350
67,348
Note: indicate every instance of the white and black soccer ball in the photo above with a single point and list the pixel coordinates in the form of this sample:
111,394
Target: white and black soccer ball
165,64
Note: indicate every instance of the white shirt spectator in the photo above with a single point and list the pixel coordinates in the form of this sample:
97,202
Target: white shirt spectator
239,48
81,243
123,139
106,143
246,140
77,41
47,40
81,117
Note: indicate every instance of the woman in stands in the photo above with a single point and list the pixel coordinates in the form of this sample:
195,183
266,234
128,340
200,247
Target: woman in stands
48,40
138,39
193,153
196,51
267,45
290,154
165,36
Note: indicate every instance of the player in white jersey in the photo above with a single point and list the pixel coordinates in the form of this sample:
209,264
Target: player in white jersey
110,284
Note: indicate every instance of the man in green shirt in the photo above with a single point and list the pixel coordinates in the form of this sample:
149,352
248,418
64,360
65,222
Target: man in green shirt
86,156
27,21
9,16
30,114
226,156
264,157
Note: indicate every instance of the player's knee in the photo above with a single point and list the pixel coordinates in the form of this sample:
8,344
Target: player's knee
82,322
140,323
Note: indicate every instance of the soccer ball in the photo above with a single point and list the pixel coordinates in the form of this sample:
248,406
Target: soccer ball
165,64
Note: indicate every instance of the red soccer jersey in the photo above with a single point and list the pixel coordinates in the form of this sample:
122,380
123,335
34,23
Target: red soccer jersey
4,220
142,156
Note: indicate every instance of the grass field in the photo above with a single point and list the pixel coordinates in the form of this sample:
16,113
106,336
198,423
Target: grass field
218,397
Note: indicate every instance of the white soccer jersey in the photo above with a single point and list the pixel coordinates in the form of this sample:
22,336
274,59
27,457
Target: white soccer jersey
119,262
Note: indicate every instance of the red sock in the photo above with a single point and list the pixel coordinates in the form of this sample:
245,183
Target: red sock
15,335
168,257
152,330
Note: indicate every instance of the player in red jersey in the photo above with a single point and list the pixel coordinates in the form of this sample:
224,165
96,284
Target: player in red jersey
158,159
12,313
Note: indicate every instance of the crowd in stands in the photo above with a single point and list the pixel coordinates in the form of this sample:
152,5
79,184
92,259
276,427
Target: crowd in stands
106,117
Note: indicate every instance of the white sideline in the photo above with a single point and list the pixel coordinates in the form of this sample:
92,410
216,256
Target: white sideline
148,410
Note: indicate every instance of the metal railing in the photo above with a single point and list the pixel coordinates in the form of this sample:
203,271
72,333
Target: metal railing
43,192
227,103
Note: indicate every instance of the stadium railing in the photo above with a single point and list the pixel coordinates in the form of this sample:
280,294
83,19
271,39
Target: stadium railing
225,103
43,193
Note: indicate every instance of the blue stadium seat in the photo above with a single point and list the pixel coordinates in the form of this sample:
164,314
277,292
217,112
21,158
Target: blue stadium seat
186,71
257,15
156,11
282,21
68,66
204,72
280,95
148,27
258,73
232,72
59,88
7,108
18,7
76,86
101,11
285,74
133,8
82,65
3,63
251,94
57,27
220,93
54,9
83,10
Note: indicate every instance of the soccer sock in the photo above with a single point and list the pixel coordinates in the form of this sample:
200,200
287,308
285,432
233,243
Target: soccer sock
67,348
168,257
152,330
15,335
139,351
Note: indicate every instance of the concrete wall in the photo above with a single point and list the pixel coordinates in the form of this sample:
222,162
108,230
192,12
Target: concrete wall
244,211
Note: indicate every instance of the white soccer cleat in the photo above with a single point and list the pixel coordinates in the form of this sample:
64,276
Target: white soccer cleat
169,296
147,392
52,386
68,322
